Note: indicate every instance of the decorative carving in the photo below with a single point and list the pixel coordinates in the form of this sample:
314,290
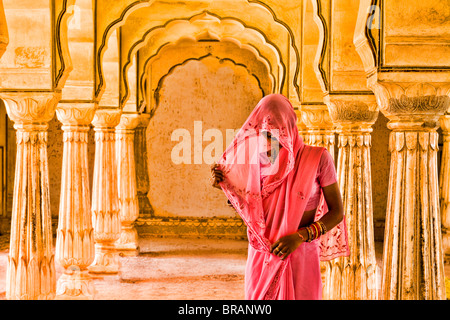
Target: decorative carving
320,128
128,242
30,57
423,104
105,200
400,101
316,117
75,114
30,107
353,110
31,266
75,235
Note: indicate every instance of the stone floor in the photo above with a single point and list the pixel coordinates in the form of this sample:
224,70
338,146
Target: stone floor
173,269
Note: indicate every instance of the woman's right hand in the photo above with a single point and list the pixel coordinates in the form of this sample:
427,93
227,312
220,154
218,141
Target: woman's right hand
216,175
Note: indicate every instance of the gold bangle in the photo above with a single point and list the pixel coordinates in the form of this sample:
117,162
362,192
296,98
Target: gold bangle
316,234
322,225
319,227
309,234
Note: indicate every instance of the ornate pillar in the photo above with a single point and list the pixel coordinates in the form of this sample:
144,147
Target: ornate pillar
128,243
413,265
31,268
319,127
354,277
140,154
444,186
75,236
105,200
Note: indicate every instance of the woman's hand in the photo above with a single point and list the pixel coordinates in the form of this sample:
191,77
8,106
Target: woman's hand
284,246
216,176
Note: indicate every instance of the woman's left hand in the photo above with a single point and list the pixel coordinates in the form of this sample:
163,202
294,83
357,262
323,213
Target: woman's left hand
284,246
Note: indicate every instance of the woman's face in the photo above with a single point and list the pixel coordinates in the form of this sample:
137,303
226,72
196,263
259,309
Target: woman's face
271,140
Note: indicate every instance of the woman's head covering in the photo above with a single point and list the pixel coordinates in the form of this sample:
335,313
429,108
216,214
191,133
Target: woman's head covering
275,114
241,161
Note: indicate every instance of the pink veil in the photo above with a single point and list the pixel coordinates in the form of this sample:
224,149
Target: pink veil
286,191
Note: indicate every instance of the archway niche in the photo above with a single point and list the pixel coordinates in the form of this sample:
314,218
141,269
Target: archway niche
194,97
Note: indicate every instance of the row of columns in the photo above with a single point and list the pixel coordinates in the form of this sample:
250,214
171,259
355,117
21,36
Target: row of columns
413,247
90,234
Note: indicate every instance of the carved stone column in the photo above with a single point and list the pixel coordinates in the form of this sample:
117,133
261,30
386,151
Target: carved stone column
413,265
128,243
31,269
354,277
444,186
140,154
75,236
320,128
105,200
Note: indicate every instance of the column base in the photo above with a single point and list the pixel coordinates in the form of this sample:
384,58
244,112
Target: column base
75,285
106,260
128,243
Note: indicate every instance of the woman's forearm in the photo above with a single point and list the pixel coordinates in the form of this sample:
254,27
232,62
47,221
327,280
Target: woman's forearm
332,218
335,206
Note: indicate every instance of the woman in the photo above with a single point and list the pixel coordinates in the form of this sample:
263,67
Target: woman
286,193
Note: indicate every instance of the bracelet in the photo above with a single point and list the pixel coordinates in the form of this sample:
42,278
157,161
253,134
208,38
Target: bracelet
310,235
322,225
316,230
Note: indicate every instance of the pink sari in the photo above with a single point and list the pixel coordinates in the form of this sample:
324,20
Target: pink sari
275,208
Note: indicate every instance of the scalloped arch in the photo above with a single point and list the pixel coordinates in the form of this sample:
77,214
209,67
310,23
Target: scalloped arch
106,29
255,68
207,24
118,15
174,67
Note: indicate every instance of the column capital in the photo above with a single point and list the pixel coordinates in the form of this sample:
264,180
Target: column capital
352,111
75,114
128,121
412,105
316,117
106,117
30,107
